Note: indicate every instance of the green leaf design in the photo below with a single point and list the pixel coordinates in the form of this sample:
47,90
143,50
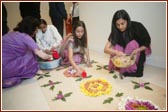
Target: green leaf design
63,99
52,88
115,76
119,94
54,99
112,71
79,79
39,77
105,67
98,66
60,92
108,100
149,88
68,94
47,75
57,82
89,76
134,82
147,83
38,74
93,61
45,85
136,86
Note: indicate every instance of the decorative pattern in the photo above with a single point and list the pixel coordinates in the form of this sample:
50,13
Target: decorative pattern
109,99
105,67
62,97
40,76
96,87
119,94
136,104
80,78
51,84
143,85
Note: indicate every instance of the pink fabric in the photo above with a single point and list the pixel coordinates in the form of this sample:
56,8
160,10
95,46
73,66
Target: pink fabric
132,45
78,58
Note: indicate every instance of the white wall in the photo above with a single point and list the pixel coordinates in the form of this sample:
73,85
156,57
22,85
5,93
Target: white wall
98,16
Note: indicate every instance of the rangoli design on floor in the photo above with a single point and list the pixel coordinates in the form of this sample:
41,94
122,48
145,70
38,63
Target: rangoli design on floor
129,103
95,87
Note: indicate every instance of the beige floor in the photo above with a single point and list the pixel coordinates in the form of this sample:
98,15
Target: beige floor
28,95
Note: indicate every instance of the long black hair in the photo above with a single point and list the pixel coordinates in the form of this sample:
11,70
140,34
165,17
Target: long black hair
115,35
83,41
28,25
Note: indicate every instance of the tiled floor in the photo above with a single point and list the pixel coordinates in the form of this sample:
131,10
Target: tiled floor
28,95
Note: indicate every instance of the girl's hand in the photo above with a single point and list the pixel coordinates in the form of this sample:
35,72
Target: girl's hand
79,71
135,51
88,63
118,53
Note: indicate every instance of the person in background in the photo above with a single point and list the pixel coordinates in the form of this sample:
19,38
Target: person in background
58,14
30,9
19,52
128,38
75,47
5,27
74,12
73,17
48,37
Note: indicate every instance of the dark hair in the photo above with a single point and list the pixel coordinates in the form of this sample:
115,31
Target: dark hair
42,21
83,41
28,25
115,35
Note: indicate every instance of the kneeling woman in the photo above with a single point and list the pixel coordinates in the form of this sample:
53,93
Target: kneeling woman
19,53
128,37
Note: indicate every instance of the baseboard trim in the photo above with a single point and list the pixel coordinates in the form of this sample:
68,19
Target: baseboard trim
156,61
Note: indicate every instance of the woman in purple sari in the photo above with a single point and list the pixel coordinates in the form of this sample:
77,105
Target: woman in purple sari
19,53
128,37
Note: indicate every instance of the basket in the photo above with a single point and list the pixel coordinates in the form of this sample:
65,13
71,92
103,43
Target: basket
124,61
49,64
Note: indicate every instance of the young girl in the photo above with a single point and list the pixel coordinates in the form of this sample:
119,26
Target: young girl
75,47
48,37
128,37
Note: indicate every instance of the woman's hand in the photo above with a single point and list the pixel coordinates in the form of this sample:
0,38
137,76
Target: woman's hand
47,51
118,53
135,51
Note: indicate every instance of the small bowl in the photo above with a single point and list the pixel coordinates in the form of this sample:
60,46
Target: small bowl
49,64
124,61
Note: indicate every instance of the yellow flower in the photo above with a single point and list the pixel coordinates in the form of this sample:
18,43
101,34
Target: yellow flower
96,87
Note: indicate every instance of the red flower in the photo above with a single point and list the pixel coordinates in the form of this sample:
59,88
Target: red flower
55,54
84,74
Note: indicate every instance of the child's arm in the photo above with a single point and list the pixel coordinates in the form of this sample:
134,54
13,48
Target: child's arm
88,62
70,56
